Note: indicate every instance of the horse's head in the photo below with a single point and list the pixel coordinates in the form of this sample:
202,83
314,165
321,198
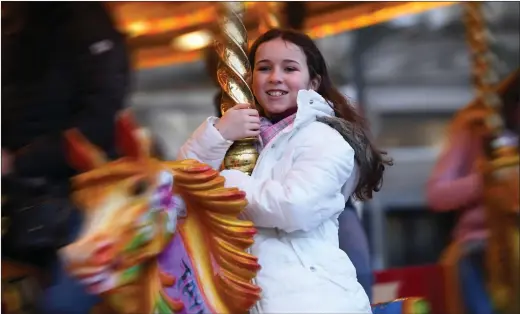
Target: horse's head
130,216
127,205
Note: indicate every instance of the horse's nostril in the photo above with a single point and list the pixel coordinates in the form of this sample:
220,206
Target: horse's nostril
104,253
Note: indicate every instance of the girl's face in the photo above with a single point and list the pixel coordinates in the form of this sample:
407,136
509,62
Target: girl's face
280,71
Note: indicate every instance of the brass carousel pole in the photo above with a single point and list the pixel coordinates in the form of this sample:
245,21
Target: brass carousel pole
500,170
234,77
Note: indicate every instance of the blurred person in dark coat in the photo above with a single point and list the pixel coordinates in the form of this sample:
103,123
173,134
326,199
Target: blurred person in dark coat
353,241
64,65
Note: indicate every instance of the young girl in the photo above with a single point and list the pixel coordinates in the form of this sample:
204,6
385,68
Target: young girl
315,154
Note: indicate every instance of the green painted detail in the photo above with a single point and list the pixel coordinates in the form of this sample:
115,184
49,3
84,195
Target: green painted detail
161,306
130,274
421,307
144,234
137,241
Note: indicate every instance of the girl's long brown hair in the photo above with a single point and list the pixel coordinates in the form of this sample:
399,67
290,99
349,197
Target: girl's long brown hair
371,161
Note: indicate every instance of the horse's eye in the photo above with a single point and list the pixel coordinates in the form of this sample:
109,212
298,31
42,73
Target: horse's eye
139,188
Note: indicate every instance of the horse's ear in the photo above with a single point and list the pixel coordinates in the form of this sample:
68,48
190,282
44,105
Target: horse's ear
128,140
80,153
145,138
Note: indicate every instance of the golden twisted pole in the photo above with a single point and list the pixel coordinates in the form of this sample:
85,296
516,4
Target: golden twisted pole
500,170
234,77
485,78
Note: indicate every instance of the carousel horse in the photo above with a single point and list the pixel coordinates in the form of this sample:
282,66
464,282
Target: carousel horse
164,236
159,236
501,199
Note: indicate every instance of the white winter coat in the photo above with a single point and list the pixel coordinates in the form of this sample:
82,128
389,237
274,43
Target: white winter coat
296,192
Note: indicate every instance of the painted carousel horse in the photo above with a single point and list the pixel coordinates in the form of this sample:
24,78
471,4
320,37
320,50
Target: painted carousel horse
501,200
158,237
161,236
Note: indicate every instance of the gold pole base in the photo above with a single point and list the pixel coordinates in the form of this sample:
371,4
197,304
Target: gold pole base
242,155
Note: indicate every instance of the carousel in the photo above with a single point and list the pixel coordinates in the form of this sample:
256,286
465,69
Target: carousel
180,246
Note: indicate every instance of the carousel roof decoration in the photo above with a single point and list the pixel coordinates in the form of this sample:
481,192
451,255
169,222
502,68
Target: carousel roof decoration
166,33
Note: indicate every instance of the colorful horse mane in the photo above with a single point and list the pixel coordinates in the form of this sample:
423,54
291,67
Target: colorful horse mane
158,235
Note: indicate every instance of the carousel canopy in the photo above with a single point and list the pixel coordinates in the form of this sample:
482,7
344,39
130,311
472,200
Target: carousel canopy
166,33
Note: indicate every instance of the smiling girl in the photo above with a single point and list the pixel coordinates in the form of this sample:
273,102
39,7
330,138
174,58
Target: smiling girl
315,154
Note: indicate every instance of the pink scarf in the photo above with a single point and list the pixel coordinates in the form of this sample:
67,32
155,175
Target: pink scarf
268,130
